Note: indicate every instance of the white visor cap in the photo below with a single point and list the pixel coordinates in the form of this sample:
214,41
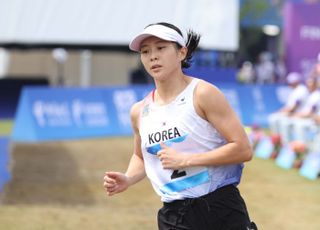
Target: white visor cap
160,31
294,77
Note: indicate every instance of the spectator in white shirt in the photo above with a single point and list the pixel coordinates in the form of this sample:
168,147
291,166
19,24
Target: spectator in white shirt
301,123
296,99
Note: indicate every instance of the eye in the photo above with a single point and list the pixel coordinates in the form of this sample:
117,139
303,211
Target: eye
144,51
161,47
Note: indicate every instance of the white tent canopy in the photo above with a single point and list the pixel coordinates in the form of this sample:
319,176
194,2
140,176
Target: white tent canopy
109,22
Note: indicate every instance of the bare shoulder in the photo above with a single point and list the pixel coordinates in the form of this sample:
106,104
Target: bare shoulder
207,94
135,109
215,108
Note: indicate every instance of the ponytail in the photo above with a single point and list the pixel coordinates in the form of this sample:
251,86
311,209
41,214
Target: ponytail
192,44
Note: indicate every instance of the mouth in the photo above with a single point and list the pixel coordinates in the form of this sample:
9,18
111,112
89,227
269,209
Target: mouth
155,67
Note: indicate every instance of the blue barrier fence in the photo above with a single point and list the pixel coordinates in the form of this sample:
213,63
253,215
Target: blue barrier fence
67,113
10,88
4,161
46,113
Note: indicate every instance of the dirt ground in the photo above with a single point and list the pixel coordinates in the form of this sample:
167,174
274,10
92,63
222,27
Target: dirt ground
59,186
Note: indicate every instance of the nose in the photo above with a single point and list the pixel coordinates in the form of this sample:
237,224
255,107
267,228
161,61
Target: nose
153,56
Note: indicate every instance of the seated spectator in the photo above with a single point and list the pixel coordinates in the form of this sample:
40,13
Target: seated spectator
246,73
300,123
265,69
295,102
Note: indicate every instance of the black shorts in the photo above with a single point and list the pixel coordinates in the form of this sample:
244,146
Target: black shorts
223,209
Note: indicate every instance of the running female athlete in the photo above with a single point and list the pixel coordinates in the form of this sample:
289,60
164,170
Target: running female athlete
187,140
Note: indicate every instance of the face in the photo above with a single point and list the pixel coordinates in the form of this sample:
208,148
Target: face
161,58
311,84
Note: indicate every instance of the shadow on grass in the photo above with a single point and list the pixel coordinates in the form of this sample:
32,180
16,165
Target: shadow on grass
45,173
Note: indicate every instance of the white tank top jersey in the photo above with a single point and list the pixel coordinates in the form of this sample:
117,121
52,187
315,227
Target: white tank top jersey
179,126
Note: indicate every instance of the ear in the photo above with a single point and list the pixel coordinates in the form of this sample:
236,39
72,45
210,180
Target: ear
183,53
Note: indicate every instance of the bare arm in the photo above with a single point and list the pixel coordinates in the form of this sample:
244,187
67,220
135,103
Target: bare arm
135,171
212,106
116,182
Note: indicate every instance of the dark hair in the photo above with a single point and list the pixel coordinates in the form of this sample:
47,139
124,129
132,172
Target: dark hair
192,42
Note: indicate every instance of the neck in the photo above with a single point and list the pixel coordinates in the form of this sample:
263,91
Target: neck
168,90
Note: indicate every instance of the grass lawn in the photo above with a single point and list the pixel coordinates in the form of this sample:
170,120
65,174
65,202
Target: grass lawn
58,185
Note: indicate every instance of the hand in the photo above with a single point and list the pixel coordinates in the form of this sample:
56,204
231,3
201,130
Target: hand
115,182
170,158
